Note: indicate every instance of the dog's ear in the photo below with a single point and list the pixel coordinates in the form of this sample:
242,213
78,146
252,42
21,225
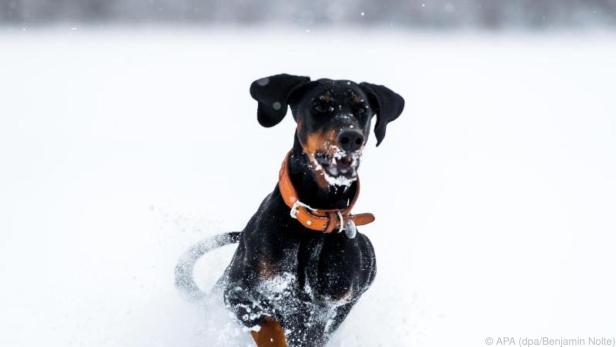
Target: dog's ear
387,105
273,94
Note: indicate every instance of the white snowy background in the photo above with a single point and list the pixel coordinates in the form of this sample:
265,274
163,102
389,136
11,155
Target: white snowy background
495,192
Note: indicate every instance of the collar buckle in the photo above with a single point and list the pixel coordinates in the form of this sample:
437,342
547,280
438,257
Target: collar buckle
296,205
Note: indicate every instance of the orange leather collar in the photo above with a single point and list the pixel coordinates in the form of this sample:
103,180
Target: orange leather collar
325,221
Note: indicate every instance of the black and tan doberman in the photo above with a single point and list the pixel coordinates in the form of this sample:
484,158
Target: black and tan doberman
301,265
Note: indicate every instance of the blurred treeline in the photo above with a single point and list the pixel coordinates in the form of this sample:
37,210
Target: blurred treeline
492,14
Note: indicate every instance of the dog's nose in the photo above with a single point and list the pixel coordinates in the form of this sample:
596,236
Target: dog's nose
350,140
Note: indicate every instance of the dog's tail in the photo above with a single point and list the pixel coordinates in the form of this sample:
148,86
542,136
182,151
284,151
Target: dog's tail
184,269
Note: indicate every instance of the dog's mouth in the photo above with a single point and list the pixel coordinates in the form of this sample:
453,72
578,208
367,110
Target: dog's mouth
337,166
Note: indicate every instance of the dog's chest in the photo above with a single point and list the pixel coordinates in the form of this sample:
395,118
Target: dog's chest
325,271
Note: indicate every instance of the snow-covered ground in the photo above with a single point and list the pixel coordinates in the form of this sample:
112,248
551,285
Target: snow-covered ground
495,192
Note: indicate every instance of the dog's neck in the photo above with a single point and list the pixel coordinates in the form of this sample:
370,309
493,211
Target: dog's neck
309,190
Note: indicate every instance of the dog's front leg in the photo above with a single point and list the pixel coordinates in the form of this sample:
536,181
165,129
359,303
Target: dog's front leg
247,305
256,313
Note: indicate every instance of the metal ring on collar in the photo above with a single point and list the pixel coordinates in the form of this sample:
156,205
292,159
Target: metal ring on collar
341,219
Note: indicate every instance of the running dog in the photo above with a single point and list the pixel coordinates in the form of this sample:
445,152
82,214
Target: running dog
300,264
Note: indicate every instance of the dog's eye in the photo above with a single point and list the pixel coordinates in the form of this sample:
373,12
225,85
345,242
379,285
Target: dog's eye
323,104
324,109
360,108
357,103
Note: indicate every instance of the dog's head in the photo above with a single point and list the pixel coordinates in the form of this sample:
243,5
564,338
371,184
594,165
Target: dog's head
333,118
